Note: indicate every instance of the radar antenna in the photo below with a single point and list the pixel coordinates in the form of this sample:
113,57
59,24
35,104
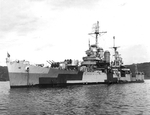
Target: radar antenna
96,29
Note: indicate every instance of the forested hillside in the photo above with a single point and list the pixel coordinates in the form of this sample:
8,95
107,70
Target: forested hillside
4,73
143,67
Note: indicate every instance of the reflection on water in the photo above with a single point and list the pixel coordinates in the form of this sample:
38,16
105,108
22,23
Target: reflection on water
119,99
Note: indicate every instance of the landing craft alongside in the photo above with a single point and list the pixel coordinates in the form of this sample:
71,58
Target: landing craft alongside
95,68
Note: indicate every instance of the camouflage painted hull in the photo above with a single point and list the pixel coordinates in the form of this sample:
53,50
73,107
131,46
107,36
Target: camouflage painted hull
21,77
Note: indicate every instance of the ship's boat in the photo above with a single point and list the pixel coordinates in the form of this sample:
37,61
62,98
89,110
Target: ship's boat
95,68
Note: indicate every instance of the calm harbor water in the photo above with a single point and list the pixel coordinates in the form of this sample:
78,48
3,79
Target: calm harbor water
118,99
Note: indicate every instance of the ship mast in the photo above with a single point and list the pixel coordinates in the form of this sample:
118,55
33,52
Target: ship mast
115,51
89,44
115,48
97,33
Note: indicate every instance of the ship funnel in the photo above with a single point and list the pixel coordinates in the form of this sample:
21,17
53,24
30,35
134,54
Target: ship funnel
107,56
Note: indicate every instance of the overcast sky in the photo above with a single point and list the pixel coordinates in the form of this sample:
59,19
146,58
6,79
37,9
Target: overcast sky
40,30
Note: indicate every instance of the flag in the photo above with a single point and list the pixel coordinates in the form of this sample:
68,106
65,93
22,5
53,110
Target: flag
8,55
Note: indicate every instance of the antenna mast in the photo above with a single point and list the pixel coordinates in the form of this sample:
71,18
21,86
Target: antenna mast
89,43
115,51
115,48
96,27
114,40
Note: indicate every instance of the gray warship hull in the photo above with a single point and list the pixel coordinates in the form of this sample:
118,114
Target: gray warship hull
22,74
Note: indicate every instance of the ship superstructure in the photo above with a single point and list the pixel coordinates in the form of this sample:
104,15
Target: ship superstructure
97,58
121,72
96,61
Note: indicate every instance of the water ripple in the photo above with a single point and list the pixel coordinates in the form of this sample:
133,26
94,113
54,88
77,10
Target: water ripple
119,99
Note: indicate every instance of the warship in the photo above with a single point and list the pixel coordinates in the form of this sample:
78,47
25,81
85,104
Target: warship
95,68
